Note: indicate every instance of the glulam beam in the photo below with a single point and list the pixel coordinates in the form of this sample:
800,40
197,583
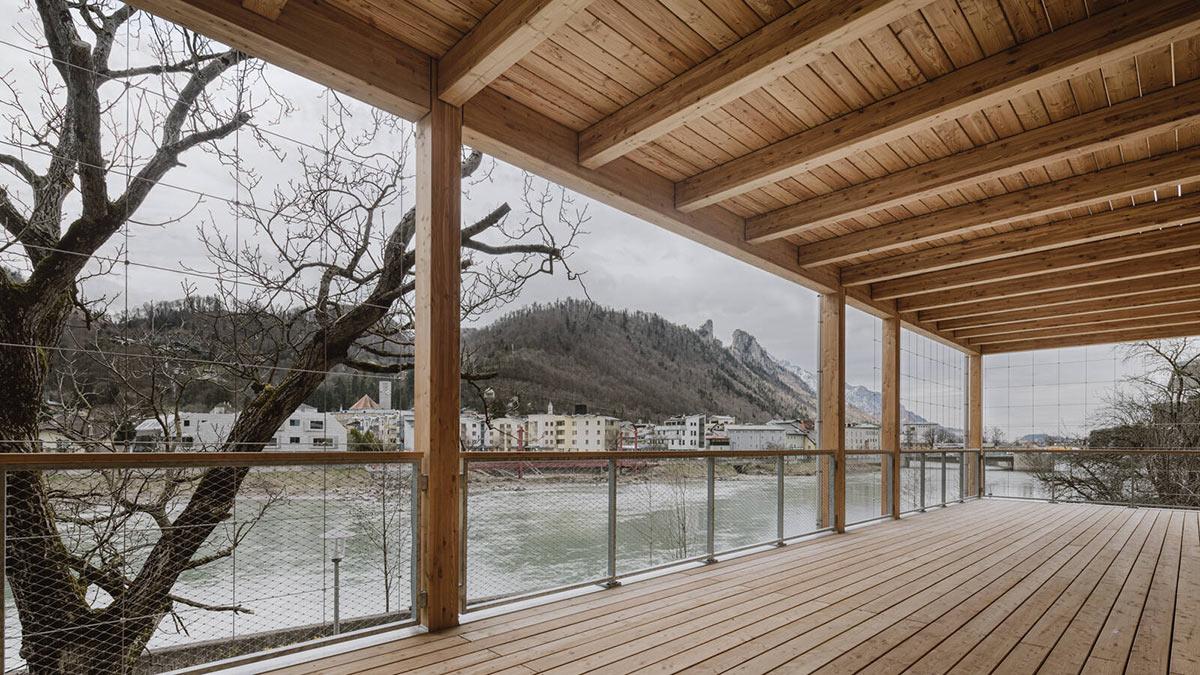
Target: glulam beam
1101,40
509,32
803,35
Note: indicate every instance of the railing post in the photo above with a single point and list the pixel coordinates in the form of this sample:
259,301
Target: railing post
710,465
612,525
922,503
943,475
414,521
779,465
3,570
962,476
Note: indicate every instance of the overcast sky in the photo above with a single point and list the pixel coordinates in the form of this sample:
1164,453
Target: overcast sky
626,263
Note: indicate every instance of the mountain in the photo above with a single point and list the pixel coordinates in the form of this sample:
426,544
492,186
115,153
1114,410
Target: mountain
633,365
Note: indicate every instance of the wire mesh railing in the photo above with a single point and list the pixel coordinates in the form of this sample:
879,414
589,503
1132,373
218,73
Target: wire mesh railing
285,548
934,478
542,522
1158,477
868,486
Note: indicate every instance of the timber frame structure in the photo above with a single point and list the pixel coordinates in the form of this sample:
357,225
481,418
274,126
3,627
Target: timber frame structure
1000,175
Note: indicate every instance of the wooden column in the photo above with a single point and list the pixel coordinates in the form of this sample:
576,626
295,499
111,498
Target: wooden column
889,423
974,421
833,398
436,374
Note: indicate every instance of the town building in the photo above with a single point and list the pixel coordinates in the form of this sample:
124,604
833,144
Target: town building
774,435
305,429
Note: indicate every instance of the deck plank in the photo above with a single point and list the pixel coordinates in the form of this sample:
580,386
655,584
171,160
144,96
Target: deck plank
987,586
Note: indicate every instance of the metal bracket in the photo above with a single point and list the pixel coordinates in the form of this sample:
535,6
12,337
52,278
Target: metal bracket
423,482
422,600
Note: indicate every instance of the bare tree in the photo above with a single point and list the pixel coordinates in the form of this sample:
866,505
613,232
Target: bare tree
325,285
1149,428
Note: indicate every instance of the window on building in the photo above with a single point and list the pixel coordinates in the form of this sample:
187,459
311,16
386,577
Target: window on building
294,423
316,424
294,440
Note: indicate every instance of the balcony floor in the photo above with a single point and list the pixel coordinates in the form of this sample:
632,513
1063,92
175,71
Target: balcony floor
1015,587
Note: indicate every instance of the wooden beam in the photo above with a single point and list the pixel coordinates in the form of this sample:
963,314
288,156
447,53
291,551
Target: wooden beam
437,356
889,415
833,396
268,8
1071,311
1044,237
313,39
1124,122
1123,272
1107,290
1112,314
310,38
798,38
1083,190
1110,327
1159,333
1106,38
974,437
1147,244
510,31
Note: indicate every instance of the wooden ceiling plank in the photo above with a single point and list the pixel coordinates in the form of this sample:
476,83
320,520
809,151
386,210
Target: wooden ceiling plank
1135,119
509,32
798,38
312,38
1109,36
1122,271
1130,247
1100,327
1070,310
976,335
268,8
1011,207
1042,237
1123,289
1117,337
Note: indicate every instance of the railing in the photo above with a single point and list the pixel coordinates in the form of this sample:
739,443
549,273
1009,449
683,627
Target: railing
316,544
868,486
537,522
934,478
1166,477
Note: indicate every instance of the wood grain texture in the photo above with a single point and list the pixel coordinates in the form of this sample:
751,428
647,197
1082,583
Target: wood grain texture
833,396
800,37
990,585
1106,38
508,33
438,245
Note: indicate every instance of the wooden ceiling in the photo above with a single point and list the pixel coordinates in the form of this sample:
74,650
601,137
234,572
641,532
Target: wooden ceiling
1005,174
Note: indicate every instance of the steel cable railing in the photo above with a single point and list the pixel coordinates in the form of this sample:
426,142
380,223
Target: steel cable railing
595,517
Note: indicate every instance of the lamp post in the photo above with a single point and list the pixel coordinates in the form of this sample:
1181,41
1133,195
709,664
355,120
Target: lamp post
338,539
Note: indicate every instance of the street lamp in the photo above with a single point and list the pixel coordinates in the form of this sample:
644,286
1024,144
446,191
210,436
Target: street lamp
338,538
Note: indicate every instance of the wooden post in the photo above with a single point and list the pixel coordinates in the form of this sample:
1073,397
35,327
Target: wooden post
889,427
974,421
833,397
436,373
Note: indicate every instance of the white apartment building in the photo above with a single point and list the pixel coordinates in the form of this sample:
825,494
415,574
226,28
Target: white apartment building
862,436
775,435
683,432
305,429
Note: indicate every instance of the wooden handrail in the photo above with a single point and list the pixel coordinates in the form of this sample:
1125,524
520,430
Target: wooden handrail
538,456
39,461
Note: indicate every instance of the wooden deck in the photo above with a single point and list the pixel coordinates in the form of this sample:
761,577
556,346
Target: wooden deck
990,586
